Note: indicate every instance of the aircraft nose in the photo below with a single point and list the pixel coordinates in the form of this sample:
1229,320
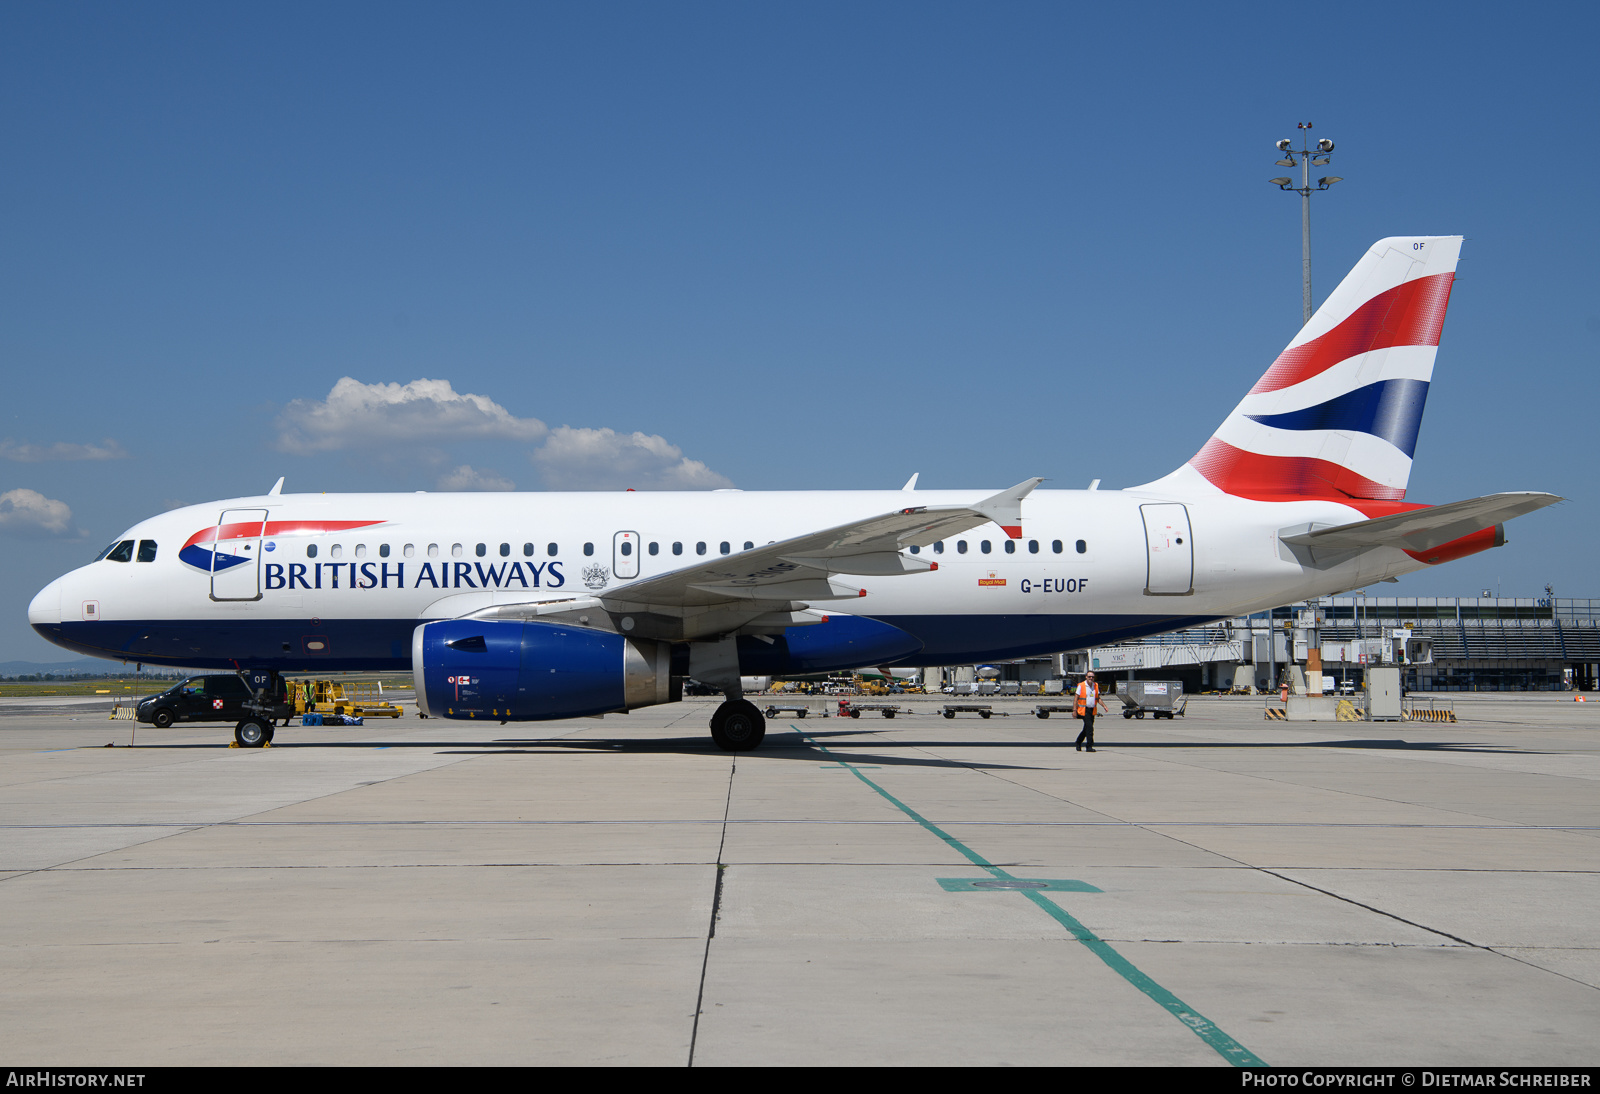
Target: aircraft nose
46,605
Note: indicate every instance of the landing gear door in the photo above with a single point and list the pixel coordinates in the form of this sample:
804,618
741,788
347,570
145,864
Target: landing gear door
236,555
1171,550
625,554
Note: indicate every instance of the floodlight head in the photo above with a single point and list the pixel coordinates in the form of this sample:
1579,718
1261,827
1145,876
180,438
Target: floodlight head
1325,145
1279,182
1283,145
1329,181
1323,162
1285,163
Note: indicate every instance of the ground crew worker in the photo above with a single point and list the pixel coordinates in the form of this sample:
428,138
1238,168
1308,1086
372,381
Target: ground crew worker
1088,702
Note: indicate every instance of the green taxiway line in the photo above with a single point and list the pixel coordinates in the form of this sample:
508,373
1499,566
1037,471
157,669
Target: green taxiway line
1202,1027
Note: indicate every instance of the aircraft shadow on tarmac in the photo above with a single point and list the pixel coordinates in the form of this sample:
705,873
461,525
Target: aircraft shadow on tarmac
789,746
786,745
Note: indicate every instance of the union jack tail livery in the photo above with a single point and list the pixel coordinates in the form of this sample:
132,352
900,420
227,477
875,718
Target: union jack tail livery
1337,414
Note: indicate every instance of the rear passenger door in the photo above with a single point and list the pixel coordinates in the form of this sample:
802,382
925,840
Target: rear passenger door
1170,550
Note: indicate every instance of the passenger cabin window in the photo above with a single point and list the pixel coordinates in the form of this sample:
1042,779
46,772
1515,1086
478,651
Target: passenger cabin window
677,548
938,548
551,549
700,548
433,550
361,550
335,551
961,546
122,552
455,550
749,545
147,550
409,550
1055,545
655,548
588,548
627,549
984,546
482,549
311,550
1011,546
915,549
1083,548
724,547
527,550
1033,546
383,550
505,550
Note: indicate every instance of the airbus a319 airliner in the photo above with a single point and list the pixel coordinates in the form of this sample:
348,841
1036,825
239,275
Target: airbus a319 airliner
539,606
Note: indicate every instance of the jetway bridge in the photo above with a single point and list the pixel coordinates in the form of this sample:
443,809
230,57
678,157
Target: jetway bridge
1461,643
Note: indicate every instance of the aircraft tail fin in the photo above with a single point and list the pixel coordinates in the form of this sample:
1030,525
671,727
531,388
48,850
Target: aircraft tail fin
1337,414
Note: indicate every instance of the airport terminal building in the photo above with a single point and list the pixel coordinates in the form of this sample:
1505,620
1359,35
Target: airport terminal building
1443,644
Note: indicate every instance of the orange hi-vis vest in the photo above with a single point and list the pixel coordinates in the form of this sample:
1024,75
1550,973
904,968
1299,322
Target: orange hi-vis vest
1088,698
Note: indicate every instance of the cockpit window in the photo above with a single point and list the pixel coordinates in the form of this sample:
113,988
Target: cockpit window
122,552
147,550
109,548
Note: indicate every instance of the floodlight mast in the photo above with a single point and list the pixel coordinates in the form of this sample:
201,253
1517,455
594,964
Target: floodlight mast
1303,156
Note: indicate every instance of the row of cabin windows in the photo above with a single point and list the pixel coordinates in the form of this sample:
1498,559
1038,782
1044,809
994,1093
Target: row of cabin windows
456,550
529,550
1056,547
123,551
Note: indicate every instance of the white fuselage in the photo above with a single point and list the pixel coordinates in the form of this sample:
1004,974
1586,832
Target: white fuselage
1088,569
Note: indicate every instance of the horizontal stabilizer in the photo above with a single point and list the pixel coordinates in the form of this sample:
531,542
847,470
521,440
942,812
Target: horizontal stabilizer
1427,528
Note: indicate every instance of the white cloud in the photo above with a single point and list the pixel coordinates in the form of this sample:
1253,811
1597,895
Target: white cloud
23,452
420,422
603,459
393,415
31,515
466,478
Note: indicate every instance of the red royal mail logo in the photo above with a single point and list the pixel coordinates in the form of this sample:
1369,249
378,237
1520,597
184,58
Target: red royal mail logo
216,704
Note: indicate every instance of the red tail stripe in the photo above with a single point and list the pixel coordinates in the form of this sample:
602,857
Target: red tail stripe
1469,544
1277,478
1411,314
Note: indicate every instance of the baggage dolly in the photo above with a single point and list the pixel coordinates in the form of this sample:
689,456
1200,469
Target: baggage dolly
1159,698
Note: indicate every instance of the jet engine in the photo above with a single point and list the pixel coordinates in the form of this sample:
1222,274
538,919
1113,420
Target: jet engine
510,671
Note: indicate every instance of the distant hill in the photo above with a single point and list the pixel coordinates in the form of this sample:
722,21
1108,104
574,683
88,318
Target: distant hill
83,666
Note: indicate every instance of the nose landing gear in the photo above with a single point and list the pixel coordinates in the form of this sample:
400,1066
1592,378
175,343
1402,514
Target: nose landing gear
253,733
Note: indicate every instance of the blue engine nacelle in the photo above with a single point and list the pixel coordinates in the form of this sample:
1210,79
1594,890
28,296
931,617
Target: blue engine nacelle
467,668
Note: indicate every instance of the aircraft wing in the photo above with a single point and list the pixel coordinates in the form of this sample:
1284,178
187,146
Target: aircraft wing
1427,528
771,587
804,567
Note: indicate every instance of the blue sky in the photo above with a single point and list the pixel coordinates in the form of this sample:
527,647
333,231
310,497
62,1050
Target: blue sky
819,245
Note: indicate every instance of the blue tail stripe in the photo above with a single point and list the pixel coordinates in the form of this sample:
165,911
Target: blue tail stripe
1391,409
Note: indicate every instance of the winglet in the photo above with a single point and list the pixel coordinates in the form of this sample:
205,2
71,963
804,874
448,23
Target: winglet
911,483
277,488
1005,508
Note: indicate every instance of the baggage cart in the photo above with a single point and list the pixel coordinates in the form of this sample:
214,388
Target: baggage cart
1159,698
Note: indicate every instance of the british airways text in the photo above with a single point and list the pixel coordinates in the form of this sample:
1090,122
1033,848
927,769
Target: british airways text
446,575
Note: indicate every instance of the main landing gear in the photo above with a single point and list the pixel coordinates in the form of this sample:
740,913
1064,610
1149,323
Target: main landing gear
738,726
